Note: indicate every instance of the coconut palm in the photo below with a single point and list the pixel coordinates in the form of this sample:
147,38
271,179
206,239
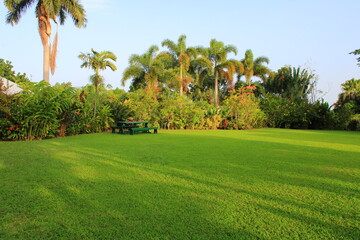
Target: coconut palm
46,11
147,69
221,67
254,67
98,61
182,57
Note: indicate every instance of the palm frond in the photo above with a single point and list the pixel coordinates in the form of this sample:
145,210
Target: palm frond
16,9
261,60
171,46
131,72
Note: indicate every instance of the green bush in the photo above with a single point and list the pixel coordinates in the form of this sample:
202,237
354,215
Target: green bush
33,114
179,112
354,124
283,113
41,111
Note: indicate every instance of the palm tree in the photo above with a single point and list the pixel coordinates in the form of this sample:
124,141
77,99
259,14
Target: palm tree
217,54
97,61
147,69
254,67
200,68
45,12
181,55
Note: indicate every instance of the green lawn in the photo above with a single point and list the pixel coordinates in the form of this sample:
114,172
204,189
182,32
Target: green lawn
258,184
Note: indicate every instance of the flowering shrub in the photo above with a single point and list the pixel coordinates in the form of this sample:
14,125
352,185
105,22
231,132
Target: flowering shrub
242,110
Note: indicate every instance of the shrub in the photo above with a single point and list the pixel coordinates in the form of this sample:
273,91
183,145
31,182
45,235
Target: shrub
242,110
354,124
42,111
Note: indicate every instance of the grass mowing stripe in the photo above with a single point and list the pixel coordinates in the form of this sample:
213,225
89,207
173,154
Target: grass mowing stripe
259,184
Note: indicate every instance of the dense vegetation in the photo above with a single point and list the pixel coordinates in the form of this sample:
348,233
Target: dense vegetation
260,184
182,88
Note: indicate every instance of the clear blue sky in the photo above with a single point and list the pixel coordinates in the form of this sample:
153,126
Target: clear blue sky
315,33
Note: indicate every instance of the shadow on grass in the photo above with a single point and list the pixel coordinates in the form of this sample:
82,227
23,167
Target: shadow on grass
153,188
195,177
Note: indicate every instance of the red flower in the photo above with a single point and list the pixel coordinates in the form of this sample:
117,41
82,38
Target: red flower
76,113
87,125
250,87
11,128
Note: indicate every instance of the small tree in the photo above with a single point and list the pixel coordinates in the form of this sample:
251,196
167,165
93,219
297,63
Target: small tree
6,71
98,61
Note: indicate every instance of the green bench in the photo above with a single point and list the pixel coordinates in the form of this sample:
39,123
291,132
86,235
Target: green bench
114,129
144,129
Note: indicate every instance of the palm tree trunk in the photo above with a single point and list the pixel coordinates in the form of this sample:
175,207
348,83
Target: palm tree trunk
216,100
46,66
95,100
181,80
45,33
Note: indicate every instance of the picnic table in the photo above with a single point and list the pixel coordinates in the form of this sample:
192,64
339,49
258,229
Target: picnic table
133,126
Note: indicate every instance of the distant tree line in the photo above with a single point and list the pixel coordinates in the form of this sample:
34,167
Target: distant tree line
181,88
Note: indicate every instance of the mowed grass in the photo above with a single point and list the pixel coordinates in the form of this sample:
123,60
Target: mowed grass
258,184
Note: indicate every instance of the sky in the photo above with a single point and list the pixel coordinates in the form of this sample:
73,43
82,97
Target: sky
316,34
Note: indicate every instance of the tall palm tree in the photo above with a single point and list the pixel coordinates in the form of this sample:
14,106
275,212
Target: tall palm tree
181,55
45,12
217,54
254,67
98,61
146,69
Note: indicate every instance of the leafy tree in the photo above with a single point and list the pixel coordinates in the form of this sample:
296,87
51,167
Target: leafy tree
45,12
221,67
6,71
290,82
254,67
98,61
200,68
181,55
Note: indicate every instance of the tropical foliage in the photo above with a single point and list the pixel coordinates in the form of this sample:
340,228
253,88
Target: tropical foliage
42,111
222,69
291,83
148,69
181,61
160,93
